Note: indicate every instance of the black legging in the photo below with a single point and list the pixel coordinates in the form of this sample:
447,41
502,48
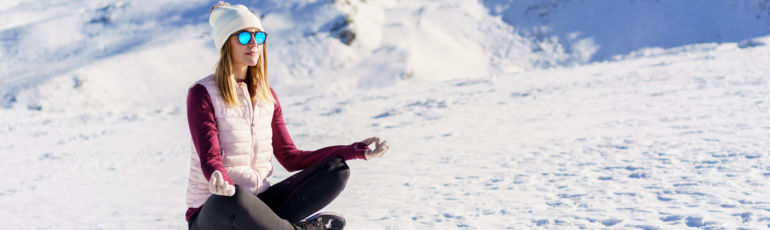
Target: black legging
281,205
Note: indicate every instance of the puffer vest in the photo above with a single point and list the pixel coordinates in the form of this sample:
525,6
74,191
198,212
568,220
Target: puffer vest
245,139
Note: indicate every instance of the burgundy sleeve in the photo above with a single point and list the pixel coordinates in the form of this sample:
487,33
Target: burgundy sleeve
294,159
203,129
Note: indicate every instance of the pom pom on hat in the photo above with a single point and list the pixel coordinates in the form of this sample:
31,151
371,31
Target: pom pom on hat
227,19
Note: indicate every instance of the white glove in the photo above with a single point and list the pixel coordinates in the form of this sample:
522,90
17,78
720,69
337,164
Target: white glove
380,147
219,186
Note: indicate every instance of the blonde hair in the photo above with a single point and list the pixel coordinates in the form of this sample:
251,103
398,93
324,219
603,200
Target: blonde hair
256,78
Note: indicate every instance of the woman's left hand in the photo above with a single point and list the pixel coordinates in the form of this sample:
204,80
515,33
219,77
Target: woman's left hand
380,147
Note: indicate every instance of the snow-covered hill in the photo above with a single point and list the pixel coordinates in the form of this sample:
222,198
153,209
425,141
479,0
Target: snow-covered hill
66,48
662,132
389,42
585,30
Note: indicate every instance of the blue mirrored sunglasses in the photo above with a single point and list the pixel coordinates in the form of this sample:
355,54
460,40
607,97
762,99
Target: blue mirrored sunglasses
244,37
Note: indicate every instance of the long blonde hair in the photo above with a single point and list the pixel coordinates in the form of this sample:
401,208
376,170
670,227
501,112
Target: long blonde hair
256,78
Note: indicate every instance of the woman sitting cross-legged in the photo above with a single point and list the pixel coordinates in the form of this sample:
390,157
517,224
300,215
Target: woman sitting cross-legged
237,127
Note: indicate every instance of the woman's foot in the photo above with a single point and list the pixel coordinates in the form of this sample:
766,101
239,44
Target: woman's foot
323,220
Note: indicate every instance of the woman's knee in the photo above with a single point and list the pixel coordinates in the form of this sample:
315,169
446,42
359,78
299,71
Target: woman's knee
337,164
338,169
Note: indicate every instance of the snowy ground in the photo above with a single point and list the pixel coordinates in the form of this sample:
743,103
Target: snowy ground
658,139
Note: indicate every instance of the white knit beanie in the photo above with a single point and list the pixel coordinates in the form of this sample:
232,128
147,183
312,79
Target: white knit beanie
227,19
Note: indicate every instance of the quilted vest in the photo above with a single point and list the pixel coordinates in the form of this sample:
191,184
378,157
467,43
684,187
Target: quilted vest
245,139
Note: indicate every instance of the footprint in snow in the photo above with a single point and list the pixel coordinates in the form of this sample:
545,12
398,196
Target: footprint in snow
611,221
671,218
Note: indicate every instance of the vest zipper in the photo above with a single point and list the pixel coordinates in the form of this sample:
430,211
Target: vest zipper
252,115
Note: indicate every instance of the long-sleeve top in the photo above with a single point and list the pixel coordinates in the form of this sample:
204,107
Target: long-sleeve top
203,129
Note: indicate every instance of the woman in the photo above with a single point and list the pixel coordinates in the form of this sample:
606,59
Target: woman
237,126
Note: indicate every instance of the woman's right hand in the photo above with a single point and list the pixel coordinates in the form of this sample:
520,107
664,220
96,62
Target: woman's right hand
219,186
380,147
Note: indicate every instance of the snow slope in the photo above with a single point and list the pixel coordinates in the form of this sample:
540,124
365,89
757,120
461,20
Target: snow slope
301,35
395,41
585,30
95,137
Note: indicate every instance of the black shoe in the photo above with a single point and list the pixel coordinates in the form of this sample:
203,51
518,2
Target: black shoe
323,220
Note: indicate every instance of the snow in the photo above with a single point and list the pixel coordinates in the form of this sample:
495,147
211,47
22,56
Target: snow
668,132
619,27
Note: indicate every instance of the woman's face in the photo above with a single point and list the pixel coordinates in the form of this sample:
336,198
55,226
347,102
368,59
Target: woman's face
245,54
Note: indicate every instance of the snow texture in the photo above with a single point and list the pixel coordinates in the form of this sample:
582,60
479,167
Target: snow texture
532,114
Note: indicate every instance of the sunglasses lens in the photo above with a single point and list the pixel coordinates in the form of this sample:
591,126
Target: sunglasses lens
259,37
244,38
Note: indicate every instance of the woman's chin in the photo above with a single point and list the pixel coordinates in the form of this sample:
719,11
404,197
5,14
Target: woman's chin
249,61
